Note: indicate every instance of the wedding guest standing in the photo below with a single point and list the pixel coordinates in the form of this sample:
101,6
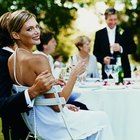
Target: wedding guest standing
114,40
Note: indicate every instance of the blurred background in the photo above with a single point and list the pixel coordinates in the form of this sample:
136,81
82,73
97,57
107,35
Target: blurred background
70,18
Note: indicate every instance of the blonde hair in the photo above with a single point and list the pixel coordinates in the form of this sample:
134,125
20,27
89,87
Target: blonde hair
17,20
81,40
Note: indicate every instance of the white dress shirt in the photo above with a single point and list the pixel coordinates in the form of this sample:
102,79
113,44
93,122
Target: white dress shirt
111,35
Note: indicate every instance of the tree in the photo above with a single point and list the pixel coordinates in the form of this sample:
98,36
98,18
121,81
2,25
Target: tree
50,14
58,16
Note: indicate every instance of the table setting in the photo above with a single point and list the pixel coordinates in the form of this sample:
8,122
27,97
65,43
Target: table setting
120,101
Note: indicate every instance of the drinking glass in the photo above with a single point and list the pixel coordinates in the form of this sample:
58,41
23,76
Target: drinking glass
63,73
108,69
73,61
82,77
114,73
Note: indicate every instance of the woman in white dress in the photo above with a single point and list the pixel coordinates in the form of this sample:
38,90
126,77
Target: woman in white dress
47,122
83,45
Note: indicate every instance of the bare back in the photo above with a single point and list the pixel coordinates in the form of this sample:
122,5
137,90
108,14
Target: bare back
27,66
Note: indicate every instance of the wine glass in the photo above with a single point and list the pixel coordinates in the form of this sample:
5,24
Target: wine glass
73,61
111,51
114,73
62,73
108,69
82,77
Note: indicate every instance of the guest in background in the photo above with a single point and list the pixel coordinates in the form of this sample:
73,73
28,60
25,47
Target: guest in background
114,40
47,46
84,47
58,61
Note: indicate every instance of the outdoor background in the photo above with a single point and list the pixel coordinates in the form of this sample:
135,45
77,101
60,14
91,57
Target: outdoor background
1,136
70,18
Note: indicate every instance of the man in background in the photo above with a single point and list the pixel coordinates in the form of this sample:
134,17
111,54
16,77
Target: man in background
112,41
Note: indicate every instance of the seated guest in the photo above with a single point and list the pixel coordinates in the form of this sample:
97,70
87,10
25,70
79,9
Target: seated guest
47,46
58,61
83,45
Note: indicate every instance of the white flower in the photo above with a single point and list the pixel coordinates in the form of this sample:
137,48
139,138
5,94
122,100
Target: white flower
121,31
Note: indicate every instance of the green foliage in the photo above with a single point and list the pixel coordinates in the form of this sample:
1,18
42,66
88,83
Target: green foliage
133,21
58,16
49,14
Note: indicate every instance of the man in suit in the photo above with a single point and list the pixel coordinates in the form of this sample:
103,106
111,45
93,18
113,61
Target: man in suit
12,106
112,41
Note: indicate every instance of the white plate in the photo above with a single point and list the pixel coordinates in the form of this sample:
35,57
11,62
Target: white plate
115,87
136,86
92,79
89,85
128,79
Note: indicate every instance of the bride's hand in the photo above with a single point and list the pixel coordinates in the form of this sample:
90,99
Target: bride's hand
79,68
72,107
60,82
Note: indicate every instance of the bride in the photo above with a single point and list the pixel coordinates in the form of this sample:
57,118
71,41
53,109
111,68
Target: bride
48,122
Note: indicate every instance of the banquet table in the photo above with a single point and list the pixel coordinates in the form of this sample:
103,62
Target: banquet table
121,103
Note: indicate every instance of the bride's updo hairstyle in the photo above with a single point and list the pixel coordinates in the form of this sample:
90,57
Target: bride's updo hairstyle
18,19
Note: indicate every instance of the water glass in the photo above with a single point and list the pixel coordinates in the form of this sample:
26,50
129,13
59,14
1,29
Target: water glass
108,69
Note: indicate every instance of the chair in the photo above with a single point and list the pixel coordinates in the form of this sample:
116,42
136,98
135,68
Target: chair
51,101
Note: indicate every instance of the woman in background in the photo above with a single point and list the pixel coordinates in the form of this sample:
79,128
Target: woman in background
84,47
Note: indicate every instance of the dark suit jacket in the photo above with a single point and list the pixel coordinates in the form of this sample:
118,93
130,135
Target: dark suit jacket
11,106
102,49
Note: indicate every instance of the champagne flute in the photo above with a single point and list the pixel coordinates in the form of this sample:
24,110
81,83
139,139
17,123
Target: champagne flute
73,61
63,73
111,51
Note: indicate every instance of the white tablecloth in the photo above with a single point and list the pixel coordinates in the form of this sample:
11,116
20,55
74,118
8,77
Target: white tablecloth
121,105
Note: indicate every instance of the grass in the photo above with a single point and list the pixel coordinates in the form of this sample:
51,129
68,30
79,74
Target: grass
1,135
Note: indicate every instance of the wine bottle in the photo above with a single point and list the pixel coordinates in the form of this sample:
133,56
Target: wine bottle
120,70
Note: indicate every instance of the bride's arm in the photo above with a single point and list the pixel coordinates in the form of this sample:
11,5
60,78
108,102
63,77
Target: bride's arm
42,64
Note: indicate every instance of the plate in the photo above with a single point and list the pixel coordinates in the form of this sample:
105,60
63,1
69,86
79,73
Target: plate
115,87
92,79
89,85
136,86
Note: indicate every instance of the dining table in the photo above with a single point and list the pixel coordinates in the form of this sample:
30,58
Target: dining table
120,102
